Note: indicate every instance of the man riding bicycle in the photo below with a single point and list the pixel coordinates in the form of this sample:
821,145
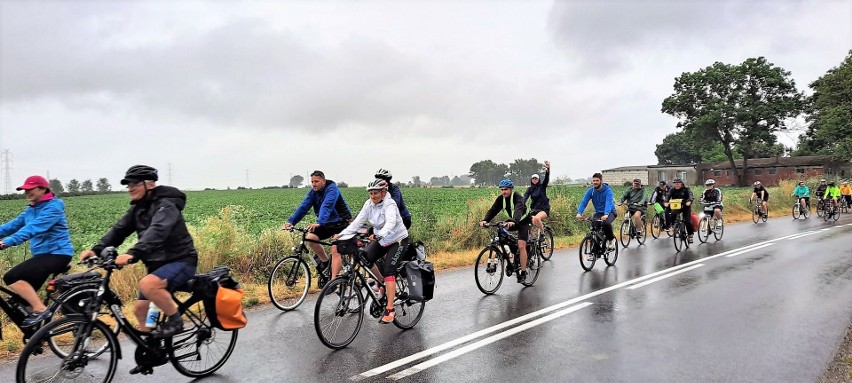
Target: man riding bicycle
681,192
763,194
396,194
164,246
602,200
332,216
833,192
389,239
802,194
512,203
636,204
846,192
659,196
713,196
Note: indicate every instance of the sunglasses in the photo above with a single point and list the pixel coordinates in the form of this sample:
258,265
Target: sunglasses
504,189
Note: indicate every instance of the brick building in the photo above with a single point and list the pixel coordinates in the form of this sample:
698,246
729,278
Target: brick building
652,174
770,171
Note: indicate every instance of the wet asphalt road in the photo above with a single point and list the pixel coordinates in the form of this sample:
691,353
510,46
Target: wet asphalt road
772,312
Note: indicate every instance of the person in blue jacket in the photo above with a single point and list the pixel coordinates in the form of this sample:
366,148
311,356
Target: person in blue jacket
396,195
44,224
332,212
604,204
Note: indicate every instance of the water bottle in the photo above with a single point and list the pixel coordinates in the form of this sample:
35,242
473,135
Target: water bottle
374,286
153,316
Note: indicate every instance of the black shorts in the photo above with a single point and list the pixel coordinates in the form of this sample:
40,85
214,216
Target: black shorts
393,255
327,230
523,228
37,269
632,211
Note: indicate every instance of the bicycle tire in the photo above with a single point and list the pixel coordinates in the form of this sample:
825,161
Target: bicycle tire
796,212
408,312
200,335
65,303
611,256
546,247
704,229
836,214
720,232
285,288
656,226
586,247
820,209
624,233
340,292
641,236
765,216
493,277
755,214
533,266
679,241
807,212
64,326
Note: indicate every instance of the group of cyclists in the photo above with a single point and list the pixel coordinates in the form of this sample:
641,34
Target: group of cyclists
826,191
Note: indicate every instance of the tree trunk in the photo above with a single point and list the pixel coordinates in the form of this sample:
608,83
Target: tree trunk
730,154
745,169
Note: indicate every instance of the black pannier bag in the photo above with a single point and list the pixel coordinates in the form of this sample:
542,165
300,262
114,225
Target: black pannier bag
348,246
421,280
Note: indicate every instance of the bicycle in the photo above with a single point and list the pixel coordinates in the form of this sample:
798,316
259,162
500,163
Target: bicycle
844,205
341,302
290,278
800,209
658,222
594,246
628,231
820,207
679,232
832,211
186,350
491,262
546,246
709,223
757,213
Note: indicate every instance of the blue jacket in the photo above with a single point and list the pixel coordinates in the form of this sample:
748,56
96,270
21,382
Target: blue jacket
44,225
328,204
602,200
396,195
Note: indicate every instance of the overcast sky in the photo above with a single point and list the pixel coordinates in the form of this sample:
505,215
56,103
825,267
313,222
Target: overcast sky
217,89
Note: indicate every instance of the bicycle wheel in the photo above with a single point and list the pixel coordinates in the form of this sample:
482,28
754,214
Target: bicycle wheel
547,245
288,283
719,230
408,312
806,212
78,367
820,209
336,321
640,237
200,349
826,215
489,270
533,266
610,256
624,233
765,215
72,302
755,214
656,226
835,214
679,240
704,229
587,254
796,211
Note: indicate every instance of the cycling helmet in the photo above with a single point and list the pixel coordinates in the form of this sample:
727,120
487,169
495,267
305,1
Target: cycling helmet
710,182
822,180
384,174
831,183
677,181
507,183
138,173
756,183
377,184
662,183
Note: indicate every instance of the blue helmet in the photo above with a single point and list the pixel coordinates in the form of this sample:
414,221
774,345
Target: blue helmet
507,183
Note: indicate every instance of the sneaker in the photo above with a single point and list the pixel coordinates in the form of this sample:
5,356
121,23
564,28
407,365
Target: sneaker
141,369
388,316
509,268
590,257
718,225
35,318
611,244
522,276
172,326
541,237
689,238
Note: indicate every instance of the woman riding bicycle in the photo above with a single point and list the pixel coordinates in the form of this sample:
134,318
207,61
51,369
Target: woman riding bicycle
389,238
803,194
44,224
540,205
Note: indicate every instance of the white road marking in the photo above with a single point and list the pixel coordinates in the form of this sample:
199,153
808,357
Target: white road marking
747,250
484,342
805,234
660,278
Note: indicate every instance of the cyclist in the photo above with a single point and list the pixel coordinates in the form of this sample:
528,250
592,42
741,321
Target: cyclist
846,192
820,190
396,194
540,204
803,194
833,192
512,203
602,200
763,194
659,196
635,197
682,192
164,246
713,196
332,216
389,238
44,224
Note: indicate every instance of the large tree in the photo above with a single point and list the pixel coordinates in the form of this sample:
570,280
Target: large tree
739,106
86,186
296,181
487,172
73,186
103,185
830,114
521,170
56,186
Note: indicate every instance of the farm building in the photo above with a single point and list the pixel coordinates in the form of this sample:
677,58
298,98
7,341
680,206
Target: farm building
651,174
770,171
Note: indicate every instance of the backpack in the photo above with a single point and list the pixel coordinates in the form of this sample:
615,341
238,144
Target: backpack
222,297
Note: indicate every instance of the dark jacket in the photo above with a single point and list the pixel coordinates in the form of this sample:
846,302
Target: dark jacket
538,193
158,222
660,194
513,205
683,193
328,204
396,195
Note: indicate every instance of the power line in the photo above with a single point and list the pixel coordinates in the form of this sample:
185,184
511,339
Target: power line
6,159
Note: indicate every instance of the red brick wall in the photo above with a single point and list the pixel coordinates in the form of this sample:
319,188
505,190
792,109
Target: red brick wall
782,173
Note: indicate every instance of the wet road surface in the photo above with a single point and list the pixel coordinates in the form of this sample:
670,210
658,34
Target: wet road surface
770,302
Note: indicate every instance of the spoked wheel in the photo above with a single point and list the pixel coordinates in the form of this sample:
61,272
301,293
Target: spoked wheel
73,302
78,366
656,226
719,230
587,255
820,209
408,312
200,349
339,313
704,229
836,214
489,270
624,233
679,238
611,255
765,215
640,237
806,212
755,214
533,266
288,283
546,246
796,211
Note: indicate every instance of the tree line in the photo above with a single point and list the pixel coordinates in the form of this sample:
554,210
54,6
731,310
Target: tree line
74,186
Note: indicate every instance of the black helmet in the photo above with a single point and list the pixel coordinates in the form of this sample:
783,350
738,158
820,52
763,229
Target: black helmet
138,173
831,183
677,181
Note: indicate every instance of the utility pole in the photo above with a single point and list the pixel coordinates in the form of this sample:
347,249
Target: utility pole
170,174
6,160
248,185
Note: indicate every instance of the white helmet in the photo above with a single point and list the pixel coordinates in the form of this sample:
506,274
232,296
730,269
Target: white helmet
377,184
710,182
756,183
384,174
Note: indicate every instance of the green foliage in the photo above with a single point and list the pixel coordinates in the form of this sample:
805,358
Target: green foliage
86,186
830,114
56,186
104,185
296,181
738,106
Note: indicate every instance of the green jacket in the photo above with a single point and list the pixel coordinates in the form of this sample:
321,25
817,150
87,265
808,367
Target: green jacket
634,197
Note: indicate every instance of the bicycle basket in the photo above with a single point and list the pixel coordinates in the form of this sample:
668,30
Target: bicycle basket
675,204
348,246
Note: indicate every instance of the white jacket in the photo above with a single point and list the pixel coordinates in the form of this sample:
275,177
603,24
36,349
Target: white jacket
385,218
